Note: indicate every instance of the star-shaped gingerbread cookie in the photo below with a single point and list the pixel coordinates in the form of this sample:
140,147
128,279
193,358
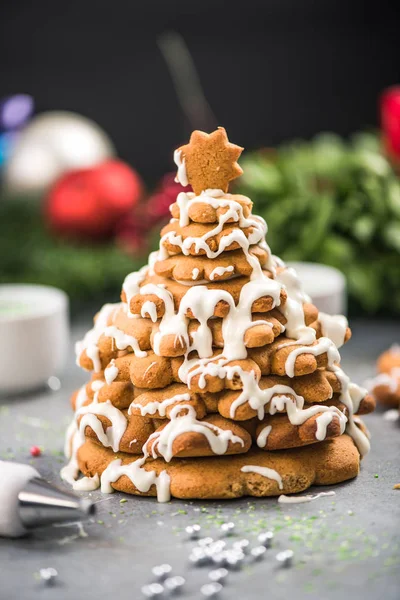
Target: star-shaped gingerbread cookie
210,160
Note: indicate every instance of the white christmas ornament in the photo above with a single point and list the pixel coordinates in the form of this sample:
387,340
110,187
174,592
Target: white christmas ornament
53,143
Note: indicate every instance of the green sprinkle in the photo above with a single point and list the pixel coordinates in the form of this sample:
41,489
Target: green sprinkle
100,522
123,500
376,475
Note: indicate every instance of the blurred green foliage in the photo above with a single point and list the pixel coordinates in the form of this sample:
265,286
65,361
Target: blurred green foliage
335,202
29,253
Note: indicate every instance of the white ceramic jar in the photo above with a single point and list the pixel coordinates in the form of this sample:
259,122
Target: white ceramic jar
34,335
325,285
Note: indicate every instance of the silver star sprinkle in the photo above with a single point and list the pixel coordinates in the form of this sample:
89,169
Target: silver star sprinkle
48,575
211,589
174,584
266,538
198,556
205,541
161,571
258,552
219,559
285,558
232,562
242,545
193,531
218,574
154,590
228,528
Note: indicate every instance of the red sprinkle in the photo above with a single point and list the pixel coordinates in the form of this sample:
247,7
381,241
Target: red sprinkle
35,451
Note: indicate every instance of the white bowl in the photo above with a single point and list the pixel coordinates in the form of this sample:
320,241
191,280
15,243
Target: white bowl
34,335
325,285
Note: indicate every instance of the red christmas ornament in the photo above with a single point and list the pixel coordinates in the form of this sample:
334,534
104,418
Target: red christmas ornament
390,120
133,231
88,203
35,451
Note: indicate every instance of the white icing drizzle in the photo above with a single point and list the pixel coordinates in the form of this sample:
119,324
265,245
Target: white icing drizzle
219,271
181,176
323,345
217,438
131,285
351,396
300,499
141,479
293,308
123,340
87,484
97,385
263,435
264,472
195,273
152,407
333,327
111,372
90,341
149,308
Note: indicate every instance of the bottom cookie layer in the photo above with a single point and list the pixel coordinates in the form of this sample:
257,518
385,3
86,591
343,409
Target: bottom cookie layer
264,474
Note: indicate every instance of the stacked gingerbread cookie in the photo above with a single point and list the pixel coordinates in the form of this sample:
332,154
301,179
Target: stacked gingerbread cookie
385,387
215,377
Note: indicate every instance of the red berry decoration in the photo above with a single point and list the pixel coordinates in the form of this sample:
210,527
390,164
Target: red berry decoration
35,451
390,118
88,203
165,194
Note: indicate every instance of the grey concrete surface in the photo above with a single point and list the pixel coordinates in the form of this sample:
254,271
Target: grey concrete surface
346,546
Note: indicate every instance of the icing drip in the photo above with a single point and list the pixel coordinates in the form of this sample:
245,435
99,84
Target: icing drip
149,308
323,345
217,438
293,308
219,271
181,176
195,274
141,479
131,285
90,341
111,372
152,407
123,341
264,472
300,499
333,327
263,435
351,396
87,484
97,385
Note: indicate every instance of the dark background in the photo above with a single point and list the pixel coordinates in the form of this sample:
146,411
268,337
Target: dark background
271,69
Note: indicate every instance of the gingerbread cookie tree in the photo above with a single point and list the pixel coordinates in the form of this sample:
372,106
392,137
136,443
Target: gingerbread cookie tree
215,377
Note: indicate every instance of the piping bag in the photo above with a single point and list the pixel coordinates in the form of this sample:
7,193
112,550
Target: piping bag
27,501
